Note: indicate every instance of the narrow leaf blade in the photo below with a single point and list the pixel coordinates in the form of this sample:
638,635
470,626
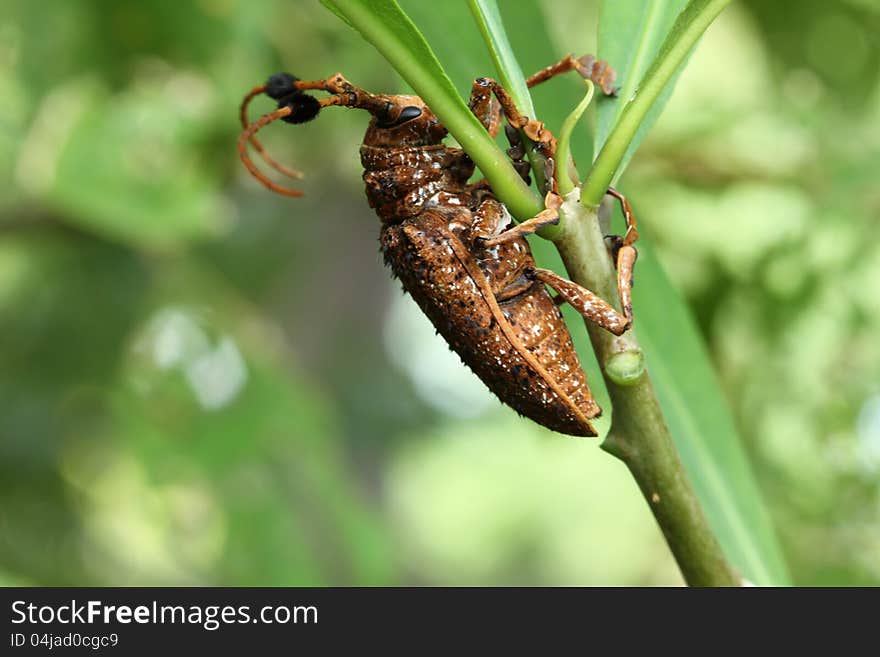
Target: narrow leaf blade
630,35
642,102
488,19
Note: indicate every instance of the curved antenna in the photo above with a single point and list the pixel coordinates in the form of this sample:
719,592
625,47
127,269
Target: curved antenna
247,135
268,159
298,107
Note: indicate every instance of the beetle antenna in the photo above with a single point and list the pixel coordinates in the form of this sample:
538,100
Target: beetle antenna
268,159
295,106
247,135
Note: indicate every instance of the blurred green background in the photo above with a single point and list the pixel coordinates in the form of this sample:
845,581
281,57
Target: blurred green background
205,383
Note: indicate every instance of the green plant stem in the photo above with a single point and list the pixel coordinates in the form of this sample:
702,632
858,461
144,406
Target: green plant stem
639,435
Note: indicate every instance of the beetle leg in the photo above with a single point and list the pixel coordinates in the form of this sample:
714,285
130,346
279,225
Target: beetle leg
623,252
626,260
590,305
544,141
541,220
534,130
549,216
632,234
517,153
485,108
598,71
488,110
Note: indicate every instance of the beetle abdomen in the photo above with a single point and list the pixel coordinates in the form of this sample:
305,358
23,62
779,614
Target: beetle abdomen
520,348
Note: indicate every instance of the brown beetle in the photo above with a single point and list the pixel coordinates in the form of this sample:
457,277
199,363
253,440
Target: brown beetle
454,246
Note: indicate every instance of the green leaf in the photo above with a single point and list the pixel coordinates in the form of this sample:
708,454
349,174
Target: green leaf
488,19
640,106
568,176
630,34
329,4
144,187
384,24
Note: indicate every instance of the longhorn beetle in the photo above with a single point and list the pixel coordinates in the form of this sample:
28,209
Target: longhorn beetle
454,246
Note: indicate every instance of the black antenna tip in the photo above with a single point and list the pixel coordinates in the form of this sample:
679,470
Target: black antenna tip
280,85
303,107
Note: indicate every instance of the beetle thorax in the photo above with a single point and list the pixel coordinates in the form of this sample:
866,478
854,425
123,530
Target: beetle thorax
406,165
401,182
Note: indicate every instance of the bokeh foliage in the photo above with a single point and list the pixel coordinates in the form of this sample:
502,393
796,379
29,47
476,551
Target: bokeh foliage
203,383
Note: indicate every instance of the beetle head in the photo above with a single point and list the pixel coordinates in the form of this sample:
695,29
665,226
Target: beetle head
397,120
403,121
